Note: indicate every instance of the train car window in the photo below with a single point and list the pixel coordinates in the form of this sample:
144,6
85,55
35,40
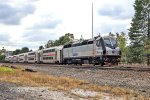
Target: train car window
98,43
78,44
69,45
90,42
84,43
73,45
53,50
30,58
32,53
65,46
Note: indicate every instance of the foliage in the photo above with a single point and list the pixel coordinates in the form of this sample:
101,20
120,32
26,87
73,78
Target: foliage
6,69
111,34
61,41
23,50
41,47
122,41
138,32
135,54
2,57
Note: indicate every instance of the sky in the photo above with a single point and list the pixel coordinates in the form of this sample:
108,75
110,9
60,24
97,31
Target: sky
31,23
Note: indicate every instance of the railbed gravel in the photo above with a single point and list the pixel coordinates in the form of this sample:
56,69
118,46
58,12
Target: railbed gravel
9,91
135,80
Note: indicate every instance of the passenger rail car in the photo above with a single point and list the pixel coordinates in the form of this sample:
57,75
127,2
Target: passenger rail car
97,51
22,57
8,59
14,59
31,57
51,55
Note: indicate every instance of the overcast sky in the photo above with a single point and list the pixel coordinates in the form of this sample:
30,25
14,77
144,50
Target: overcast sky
32,23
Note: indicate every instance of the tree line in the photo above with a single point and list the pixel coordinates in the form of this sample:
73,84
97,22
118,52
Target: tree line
139,32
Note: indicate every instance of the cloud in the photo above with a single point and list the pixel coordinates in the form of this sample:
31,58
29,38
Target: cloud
107,25
12,15
46,22
4,37
117,11
38,36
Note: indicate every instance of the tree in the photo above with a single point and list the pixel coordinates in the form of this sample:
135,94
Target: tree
18,51
2,57
68,37
24,50
41,47
146,27
111,34
50,43
137,32
122,41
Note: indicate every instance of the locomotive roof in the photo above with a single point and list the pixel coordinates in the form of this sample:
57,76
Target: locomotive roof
56,47
108,37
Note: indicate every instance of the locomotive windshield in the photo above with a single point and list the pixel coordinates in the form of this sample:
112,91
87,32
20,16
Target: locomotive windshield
114,42
110,42
107,41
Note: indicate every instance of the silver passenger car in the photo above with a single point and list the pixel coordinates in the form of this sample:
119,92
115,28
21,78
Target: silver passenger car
51,55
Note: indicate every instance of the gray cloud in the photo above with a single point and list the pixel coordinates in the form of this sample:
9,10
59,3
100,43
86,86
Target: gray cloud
112,27
4,37
47,24
12,15
38,36
116,12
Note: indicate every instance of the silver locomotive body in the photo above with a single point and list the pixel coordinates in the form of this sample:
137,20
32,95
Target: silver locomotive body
101,50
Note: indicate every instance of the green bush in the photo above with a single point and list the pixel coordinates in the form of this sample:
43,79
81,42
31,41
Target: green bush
6,69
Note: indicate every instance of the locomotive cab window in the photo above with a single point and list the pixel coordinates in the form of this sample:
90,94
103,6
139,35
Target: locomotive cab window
90,42
84,42
107,41
114,42
98,43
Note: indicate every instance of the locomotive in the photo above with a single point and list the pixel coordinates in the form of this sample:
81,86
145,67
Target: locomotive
97,51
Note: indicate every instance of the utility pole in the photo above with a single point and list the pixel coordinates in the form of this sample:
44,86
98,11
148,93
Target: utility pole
148,26
92,38
92,20
148,38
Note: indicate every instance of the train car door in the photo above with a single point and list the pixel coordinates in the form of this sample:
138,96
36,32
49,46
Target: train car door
61,56
38,57
57,56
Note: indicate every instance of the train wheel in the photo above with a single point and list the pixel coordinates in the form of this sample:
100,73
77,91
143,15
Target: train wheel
102,64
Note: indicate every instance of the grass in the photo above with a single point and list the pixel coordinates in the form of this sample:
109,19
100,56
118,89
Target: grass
6,70
38,79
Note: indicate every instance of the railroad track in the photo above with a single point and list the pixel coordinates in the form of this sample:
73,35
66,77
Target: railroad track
88,67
